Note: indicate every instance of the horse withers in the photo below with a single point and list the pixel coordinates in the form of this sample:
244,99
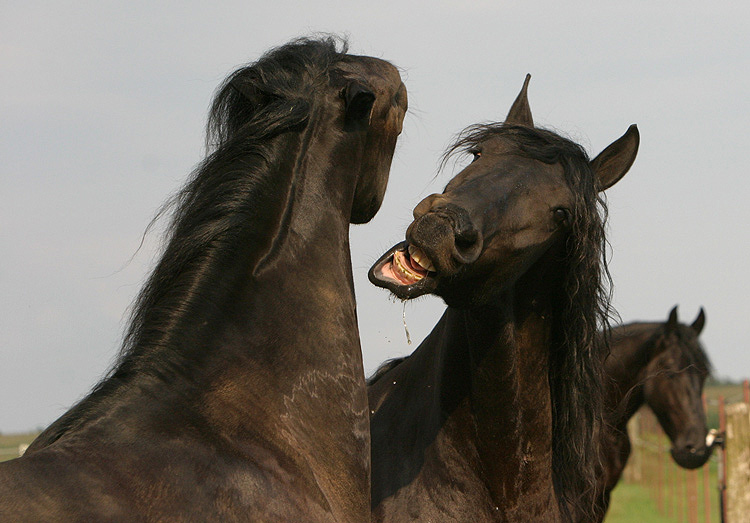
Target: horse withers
239,393
492,417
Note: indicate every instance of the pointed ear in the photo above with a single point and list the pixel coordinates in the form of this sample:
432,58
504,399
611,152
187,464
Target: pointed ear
672,321
699,322
614,161
358,102
520,112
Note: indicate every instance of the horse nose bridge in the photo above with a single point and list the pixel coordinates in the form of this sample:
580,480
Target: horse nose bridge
427,204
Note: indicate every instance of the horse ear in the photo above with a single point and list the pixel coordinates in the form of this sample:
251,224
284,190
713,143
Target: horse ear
614,161
699,322
520,112
358,101
672,321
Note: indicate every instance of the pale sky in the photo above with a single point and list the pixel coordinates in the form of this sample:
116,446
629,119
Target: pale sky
102,114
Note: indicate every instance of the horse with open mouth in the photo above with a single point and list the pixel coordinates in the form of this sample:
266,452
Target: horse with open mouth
664,366
239,394
492,417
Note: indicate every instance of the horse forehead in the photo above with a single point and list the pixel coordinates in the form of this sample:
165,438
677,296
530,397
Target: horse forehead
380,74
677,356
511,175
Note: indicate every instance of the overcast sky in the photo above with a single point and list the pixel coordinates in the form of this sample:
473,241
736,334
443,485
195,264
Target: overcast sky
102,113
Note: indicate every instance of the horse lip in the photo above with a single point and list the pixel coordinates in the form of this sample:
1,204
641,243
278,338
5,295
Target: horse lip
405,292
691,459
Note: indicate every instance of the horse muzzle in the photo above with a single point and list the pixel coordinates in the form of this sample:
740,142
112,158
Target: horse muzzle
691,456
447,237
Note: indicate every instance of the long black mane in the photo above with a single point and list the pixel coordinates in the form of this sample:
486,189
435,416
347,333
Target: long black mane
579,348
211,213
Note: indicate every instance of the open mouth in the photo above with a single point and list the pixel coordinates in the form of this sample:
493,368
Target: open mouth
405,270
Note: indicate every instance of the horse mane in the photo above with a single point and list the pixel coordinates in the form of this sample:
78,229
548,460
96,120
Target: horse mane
581,330
253,105
384,369
216,207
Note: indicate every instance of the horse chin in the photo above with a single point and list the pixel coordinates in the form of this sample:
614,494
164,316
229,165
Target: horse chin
690,460
388,272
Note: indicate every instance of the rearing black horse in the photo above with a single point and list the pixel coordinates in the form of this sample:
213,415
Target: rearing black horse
239,394
492,417
664,366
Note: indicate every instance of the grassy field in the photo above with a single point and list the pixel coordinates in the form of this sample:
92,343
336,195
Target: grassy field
632,503
9,444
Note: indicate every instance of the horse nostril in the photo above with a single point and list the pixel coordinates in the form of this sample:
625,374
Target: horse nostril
467,244
466,239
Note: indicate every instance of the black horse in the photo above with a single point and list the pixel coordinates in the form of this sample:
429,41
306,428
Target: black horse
239,394
491,418
664,366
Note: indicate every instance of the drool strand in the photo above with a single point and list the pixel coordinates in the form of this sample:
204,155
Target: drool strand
406,329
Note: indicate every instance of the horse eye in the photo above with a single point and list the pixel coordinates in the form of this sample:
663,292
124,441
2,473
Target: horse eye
476,154
562,216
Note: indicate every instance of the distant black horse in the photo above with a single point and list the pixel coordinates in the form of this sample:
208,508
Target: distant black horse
492,417
239,394
661,365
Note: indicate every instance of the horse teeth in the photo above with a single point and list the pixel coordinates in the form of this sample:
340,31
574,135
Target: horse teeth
419,257
404,270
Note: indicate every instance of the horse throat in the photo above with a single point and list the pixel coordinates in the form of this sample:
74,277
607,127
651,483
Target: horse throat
511,405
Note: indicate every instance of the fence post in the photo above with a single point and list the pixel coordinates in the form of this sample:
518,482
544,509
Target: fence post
722,473
692,489
706,479
670,489
679,485
746,390
737,461
659,482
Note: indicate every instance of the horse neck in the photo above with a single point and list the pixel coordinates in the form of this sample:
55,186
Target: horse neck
504,350
259,314
297,243
626,369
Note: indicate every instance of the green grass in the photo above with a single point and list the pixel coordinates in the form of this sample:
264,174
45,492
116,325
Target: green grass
637,502
9,444
632,503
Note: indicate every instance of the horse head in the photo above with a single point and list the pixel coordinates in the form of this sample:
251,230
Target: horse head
373,103
499,215
353,109
674,385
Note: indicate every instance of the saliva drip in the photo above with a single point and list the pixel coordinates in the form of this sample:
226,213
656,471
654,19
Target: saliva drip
406,329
